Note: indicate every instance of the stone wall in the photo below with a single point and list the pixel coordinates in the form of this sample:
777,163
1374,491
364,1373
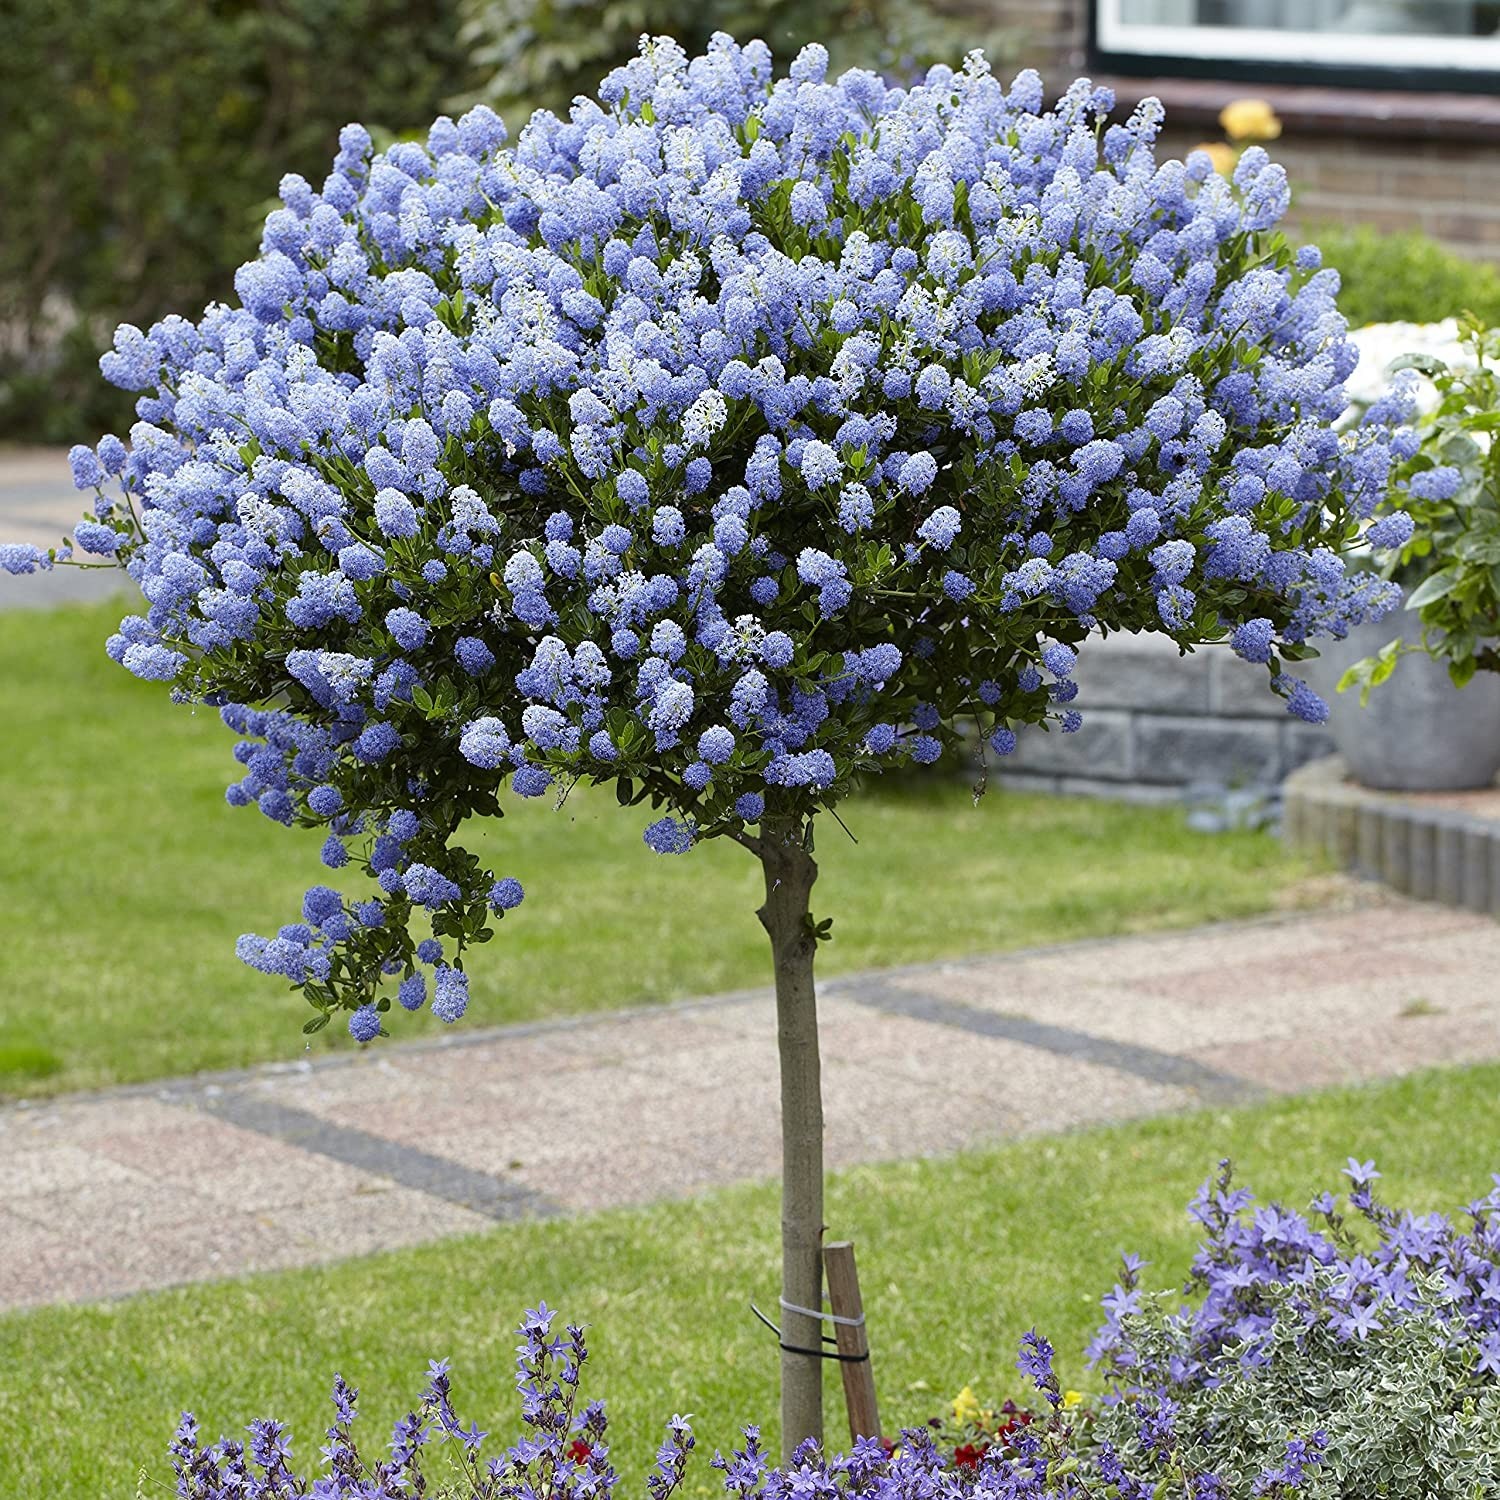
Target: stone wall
1154,723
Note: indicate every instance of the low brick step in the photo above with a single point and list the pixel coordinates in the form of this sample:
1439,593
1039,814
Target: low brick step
1434,846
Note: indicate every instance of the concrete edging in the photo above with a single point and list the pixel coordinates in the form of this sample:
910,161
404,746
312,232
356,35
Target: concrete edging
1430,853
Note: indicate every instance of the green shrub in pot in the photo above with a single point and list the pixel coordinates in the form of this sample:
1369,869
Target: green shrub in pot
1447,494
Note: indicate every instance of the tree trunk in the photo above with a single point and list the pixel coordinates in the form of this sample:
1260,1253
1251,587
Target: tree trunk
790,872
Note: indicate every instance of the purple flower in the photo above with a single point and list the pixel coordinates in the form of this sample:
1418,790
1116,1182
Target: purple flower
1440,483
473,655
1253,640
1301,701
941,528
450,997
364,1024
670,836
395,515
409,628
409,492
1391,531
21,557
917,474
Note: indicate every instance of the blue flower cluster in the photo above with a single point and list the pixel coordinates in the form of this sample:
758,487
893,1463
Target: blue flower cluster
1251,1253
1319,1313
733,438
564,1453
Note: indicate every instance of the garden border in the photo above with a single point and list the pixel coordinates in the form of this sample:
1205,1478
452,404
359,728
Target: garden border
1426,851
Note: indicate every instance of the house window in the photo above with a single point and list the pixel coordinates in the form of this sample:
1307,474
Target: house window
1453,43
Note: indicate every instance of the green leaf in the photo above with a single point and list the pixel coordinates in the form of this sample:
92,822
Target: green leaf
1371,671
317,1023
1428,364
1298,651
1437,586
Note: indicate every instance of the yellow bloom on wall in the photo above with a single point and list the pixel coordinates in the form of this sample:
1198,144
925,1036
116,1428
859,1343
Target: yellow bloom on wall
1223,157
1248,120
1071,1399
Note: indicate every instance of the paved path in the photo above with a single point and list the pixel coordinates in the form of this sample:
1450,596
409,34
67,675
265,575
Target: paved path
39,504
115,1193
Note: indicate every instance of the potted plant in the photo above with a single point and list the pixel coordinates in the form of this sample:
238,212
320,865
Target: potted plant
1434,723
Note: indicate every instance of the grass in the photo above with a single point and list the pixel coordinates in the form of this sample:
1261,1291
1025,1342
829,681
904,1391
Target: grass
126,880
959,1257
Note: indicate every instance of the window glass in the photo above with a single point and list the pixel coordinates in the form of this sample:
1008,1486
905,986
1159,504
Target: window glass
1393,33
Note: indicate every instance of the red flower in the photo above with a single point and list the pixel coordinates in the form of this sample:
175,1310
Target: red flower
967,1455
579,1451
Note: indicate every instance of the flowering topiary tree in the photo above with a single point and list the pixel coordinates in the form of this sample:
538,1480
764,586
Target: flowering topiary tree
733,440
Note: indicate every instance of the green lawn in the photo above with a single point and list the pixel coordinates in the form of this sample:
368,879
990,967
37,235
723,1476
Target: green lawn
126,880
958,1258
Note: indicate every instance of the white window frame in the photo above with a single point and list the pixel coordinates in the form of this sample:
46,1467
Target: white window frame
1466,54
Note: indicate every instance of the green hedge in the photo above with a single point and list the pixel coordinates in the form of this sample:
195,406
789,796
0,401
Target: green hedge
142,141
1407,278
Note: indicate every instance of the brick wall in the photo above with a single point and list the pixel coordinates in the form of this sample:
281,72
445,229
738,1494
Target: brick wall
1447,188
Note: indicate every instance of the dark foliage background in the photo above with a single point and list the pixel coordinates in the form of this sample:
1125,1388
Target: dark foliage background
140,141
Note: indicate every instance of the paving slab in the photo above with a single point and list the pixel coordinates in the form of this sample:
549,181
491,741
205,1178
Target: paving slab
309,1162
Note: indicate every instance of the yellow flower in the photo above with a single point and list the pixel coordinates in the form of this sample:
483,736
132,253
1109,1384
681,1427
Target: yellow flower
1071,1399
1223,157
1249,120
966,1407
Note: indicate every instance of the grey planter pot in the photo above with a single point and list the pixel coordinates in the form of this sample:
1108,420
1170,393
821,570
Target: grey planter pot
1418,733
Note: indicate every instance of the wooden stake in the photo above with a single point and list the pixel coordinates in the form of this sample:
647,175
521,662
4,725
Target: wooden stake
859,1377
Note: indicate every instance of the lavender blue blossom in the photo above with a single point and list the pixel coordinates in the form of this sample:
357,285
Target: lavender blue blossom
1326,1330
563,1451
364,1024
772,407
450,997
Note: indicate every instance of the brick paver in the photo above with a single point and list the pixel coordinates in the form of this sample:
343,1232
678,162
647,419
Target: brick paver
115,1193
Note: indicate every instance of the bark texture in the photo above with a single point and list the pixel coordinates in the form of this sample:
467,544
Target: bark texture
790,873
